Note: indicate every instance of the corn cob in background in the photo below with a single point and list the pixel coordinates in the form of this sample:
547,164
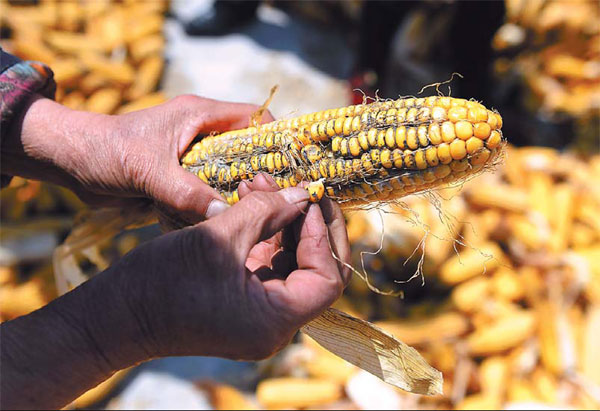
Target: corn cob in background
357,155
106,55
548,54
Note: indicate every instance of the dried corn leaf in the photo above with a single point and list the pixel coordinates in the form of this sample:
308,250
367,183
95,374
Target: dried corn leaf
370,348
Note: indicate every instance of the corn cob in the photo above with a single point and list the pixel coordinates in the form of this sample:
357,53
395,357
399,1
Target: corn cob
356,154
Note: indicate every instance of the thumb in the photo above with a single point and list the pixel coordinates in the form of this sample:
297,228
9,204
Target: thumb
181,194
259,215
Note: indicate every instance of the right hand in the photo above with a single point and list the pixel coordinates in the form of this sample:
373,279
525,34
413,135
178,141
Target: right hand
236,286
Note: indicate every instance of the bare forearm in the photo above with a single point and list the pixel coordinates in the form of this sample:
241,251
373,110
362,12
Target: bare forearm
48,141
54,354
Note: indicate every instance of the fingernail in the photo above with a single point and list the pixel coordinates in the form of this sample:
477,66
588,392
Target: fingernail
216,207
294,195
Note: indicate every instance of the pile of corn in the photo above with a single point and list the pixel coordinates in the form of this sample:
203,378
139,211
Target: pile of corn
106,55
557,48
519,317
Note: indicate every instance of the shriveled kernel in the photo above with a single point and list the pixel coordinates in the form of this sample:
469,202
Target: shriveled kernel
431,156
390,138
381,139
356,123
339,125
435,134
492,120
254,163
442,171
443,152
409,102
303,135
314,131
347,127
356,165
386,158
339,167
375,155
347,168
401,137
269,140
499,120
277,139
331,128
367,188
271,162
366,162
474,144
322,131
344,147
324,168
420,160
439,114
458,149
409,159
332,169
482,130
430,101
464,130
411,115
494,140
354,147
480,157
445,102
363,141
242,171
457,113
459,165
234,170
458,102
372,137
312,153
397,158
422,136
412,141
448,133
391,116
202,176
284,159
424,114
428,176
221,175
316,190
278,162
401,115
335,144
213,170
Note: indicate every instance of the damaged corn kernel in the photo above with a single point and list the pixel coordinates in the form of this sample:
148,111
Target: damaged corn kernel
375,152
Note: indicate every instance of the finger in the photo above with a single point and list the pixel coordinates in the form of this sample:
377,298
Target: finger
186,196
244,189
317,282
209,116
262,182
338,236
258,216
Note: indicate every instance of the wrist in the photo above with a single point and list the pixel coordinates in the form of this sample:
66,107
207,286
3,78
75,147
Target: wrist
51,142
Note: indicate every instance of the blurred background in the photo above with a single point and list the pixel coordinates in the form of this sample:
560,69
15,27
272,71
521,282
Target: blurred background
519,330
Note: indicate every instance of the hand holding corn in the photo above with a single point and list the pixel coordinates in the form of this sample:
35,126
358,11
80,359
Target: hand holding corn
122,160
223,287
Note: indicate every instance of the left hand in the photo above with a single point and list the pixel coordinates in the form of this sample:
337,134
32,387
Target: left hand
118,160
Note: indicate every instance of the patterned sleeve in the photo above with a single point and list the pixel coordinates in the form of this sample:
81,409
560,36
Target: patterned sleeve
19,80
